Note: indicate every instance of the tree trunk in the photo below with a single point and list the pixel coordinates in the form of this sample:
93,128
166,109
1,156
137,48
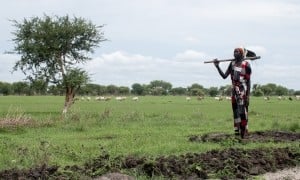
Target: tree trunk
69,98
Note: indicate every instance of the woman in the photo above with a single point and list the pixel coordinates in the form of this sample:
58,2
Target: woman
240,72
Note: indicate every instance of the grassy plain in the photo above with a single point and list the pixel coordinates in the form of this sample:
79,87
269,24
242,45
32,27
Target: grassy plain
150,126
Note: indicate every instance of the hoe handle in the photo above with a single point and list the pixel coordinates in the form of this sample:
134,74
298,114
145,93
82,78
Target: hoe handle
224,60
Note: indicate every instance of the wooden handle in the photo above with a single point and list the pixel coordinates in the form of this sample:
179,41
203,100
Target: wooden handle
224,60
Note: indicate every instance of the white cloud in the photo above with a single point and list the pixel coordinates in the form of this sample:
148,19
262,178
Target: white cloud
190,55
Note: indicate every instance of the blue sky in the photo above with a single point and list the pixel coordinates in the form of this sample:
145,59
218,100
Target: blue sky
169,39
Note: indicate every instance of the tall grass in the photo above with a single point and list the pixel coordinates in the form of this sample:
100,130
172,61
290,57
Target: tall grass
151,126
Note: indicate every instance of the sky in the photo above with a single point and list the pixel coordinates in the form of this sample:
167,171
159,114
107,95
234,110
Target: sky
169,40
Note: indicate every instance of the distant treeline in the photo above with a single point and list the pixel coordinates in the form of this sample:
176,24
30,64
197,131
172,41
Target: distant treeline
156,88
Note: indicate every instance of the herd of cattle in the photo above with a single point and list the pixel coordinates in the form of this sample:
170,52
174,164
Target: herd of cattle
188,98
108,98
297,97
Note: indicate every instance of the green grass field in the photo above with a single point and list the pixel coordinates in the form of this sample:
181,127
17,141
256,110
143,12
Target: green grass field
151,126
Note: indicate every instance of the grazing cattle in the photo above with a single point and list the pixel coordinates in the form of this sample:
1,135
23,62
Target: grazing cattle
297,97
279,97
98,98
121,98
267,98
102,98
188,98
228,98
219,98
135,98
107,98
86,98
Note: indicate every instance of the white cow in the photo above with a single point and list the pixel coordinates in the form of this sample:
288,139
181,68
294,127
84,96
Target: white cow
100,98
135,98
228,98
219,98
121,98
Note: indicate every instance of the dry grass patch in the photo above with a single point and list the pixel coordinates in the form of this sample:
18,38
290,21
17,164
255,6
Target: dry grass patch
15,118
15,122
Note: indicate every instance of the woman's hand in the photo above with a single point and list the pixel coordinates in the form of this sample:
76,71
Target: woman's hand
216,62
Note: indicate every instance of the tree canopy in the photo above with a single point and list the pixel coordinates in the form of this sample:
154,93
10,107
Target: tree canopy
51,45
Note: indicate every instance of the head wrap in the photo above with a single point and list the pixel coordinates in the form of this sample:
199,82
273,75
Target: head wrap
242,50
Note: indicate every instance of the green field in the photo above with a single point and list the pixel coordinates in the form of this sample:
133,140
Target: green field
33,132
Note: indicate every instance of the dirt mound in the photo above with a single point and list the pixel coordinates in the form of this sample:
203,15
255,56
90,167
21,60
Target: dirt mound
41,172
259,136
225,164
231,163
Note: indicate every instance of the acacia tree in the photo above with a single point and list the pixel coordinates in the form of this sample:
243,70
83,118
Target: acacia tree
52,47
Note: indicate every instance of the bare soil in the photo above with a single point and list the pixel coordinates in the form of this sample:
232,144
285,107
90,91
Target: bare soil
229,163
285,174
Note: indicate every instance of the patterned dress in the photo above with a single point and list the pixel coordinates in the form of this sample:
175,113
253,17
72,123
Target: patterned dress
240,77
